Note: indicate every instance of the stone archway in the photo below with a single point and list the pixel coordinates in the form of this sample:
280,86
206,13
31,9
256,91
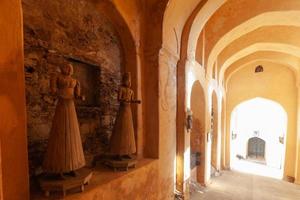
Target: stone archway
197,137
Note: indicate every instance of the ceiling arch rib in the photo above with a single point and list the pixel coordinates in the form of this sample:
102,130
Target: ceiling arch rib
276,57
276,47
277,18
258,62
175,17
199,22
269,34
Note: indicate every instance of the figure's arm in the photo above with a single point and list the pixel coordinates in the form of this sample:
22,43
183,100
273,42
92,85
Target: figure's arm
53,85
134,100
77,91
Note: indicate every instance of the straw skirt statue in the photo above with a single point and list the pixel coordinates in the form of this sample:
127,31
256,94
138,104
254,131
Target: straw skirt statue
64,153
122,141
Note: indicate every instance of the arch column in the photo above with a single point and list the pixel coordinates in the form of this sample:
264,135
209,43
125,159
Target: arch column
198,137
297,167
214,127
183,137
223,135
13,139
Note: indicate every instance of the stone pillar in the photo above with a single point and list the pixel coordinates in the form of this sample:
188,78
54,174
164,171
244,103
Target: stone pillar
139,110
220,131
227,138
183,137
223,135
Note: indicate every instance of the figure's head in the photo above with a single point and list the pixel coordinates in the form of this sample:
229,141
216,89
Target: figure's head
67,69
127,79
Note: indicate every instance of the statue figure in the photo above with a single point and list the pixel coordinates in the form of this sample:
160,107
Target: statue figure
122,143
64,153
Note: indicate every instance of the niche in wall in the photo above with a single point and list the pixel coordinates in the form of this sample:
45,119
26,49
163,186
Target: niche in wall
56,32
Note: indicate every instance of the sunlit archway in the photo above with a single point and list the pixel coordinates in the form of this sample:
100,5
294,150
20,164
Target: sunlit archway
257,136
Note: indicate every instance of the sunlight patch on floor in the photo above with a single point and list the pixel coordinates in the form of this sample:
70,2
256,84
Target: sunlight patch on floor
250,167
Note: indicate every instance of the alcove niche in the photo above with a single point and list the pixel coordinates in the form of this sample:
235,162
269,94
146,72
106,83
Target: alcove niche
58,32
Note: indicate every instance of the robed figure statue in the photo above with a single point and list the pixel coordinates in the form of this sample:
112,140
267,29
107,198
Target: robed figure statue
64,153
122,143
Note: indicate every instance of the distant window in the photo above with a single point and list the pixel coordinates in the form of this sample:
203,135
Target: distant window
256,148
259,69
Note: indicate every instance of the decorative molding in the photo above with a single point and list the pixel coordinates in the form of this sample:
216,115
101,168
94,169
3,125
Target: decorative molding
166,52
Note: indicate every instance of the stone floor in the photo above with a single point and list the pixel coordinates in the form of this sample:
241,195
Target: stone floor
232,185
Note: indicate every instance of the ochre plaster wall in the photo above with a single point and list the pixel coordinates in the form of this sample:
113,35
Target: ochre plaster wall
276,83
12,103
167,125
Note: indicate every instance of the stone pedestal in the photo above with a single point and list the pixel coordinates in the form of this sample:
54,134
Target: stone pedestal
121,164
82,178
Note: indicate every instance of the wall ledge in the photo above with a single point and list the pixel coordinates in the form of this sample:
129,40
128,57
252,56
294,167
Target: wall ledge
103,180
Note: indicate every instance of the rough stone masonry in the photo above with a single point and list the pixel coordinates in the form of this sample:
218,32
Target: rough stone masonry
70,31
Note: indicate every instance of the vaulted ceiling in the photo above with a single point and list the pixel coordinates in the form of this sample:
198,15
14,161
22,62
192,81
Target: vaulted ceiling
242,32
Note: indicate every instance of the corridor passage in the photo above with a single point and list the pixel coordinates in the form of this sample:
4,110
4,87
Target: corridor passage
233,185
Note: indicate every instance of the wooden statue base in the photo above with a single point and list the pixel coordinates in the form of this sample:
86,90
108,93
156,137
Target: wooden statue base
83,177
121,164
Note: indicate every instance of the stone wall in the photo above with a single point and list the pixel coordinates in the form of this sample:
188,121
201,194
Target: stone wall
71,31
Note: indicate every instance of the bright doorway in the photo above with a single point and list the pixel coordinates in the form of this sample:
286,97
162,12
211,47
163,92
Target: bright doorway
257,141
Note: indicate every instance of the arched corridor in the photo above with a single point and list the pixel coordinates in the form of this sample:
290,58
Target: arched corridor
197,69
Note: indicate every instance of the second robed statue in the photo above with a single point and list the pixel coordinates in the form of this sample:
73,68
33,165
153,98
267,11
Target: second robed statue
122,143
